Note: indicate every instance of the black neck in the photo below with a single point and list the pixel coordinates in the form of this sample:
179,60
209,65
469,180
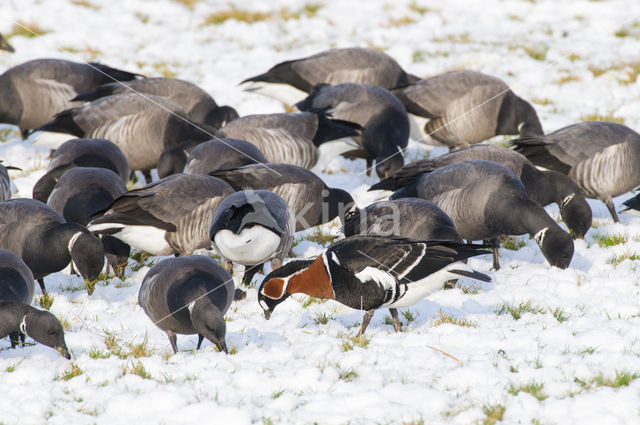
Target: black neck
517,116
11,315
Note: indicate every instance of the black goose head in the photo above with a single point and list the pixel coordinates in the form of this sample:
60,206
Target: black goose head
576,213
556,245
273,289
45,329
220,116
338,203
172,161
209,322
87,254
517,116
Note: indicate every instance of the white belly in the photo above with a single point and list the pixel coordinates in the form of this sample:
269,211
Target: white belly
48,139
146,238
253,245
283,92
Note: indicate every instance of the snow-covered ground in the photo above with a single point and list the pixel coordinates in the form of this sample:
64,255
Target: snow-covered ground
573,354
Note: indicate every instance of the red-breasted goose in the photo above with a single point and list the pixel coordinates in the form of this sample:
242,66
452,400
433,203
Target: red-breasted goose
372,272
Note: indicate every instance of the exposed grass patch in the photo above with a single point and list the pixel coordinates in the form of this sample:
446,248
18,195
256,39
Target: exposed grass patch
604,240
189,4
597,117
511,242
616,259
311,300
493,413
621,379
8,133
72,372
533,388
218,18
445,318
537,52
516,311
348,375
322,319
136,369
408,315
415,7
139,350
567,79
321,238
277,394
355,341
85,3
96,353
26,29
542,101
142,259
559,314
398,22
45,301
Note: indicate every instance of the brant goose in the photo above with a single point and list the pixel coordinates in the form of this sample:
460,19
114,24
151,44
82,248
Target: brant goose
81,153
383,118
486,200
312,202
465,107
85,191
296,77
188,295
16,284
46,242
197,103
33,92
602,157
372,272
251,227
542,186
169,216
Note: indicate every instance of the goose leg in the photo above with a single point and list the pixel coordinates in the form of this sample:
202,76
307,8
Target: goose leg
494,247
14,337
228,266
173,340
397,324
369,166
276,263
41,283
249,273
200,339
365,322
147,176
612,209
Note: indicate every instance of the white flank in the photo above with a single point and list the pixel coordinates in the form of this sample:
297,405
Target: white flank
283,92
330,150
48,139
253,245
539,237
146,238
416,128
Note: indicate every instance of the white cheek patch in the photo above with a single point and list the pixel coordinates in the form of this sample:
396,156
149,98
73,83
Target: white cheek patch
566,200
520,126
23,325
334,258
73,240
190,306
539,237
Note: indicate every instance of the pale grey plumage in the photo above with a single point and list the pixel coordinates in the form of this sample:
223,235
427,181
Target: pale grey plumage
221,155
466,107
601,157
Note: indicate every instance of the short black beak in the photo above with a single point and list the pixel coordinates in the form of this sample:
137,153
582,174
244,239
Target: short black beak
267,314
222,346
64,352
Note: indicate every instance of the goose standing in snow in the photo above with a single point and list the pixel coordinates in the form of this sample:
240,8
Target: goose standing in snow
169,216
197,103
251,227
81,153
465,107
4,45
296,77
602,157
81,193
46,242
312,202
371,272
142,127
542,186
289,138
486,200
32,93
383,118
203,158
412,218
188,295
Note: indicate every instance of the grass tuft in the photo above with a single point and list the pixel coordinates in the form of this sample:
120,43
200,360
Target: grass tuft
348,375
604,240
621,379
321,238
619,258
45,301
447,319
493,413
322,319
533,388
136,369
355,341
26,29
516,311
72,372
511,242
597,117
309,10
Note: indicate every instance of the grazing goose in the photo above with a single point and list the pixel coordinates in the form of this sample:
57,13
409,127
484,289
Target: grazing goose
169,216
542,186
632,203
4,45
197,103
602,157
311,200
333,66
33,92
288,138
466,107
81,153
46,242
371,272
251,227
412,218
188,295
5,181
16,284
142,127
486,200
203,158
80,194
383,118
42,326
